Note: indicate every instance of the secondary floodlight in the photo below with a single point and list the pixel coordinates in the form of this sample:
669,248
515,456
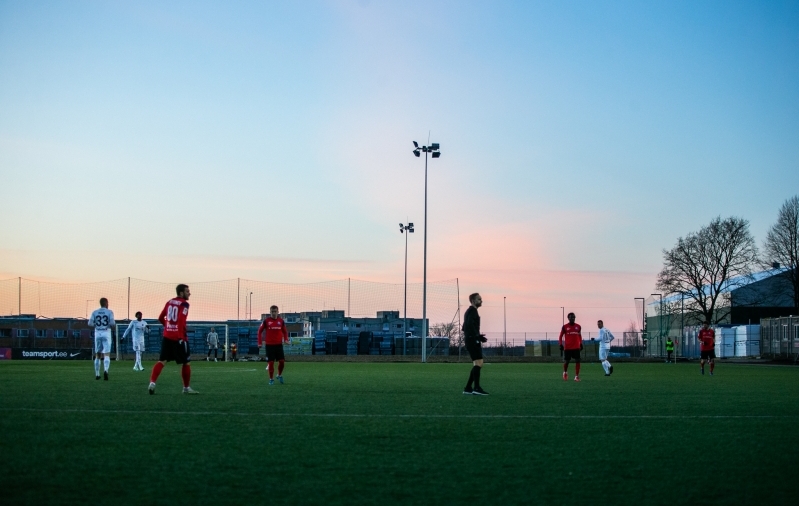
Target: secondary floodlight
437,154
434,146
416,152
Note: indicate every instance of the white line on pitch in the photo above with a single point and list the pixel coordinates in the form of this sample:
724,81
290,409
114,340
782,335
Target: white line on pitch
362,415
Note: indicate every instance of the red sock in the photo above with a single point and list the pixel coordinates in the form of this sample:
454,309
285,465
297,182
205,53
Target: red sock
280,364
577,369
712,366
271,367
157,368
185,373
565,367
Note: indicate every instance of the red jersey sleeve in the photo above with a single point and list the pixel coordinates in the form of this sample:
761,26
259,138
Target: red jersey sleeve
261,336
183,315
562,333
162,316
285,333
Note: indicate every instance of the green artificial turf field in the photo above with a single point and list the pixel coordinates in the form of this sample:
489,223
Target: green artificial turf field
386,433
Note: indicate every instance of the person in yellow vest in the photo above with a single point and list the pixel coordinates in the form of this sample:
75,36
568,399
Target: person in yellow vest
669,349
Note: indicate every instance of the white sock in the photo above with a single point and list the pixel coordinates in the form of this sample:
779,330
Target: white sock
138,359
96,366
605,366
106,363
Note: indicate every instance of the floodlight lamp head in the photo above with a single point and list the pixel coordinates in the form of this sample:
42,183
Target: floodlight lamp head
410,228
415,144
416,153
436,154
434,146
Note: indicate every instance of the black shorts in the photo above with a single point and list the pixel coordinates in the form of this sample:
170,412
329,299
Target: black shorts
475,351
707,355
274,352
175,350
571,355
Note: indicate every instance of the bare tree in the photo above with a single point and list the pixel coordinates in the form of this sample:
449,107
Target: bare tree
448,330
704,266
632,337
782,245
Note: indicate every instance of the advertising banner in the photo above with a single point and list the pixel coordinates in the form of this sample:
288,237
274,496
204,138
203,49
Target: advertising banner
5,353
49,354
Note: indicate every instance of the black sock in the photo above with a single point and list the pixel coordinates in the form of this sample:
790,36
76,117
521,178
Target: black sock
476,374
471,379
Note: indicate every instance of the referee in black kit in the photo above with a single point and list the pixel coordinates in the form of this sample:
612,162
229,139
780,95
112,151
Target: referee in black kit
474,344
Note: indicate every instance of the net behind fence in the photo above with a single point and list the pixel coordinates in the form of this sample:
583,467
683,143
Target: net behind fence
233,299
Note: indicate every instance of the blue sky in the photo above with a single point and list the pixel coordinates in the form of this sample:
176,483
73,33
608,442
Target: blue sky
272,140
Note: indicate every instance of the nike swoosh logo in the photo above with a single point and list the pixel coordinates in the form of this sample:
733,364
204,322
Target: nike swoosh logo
74,354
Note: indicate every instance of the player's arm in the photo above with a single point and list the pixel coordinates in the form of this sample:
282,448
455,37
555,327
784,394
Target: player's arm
261,330
560,337
162,316
127,330
285,333
112,322
183,315
90,321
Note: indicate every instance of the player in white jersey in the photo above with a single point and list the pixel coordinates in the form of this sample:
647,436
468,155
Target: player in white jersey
138,329
103,321
605,337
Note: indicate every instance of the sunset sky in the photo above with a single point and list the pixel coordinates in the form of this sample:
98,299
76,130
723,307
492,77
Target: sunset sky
201,141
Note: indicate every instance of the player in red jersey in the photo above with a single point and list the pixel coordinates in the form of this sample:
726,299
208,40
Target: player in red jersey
572,347
175,345
707,349
273,332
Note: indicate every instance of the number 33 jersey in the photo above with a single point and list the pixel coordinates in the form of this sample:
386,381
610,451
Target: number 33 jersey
173,318
102,320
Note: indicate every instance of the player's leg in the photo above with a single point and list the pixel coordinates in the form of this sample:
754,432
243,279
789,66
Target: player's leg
167,354
106,355
712,362
603,359
566,360
576,354
97,350
183,357
702,363
478,369
281,362
216,353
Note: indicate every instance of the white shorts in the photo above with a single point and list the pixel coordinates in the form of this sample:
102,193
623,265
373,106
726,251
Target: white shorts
138,345
102,342
603,353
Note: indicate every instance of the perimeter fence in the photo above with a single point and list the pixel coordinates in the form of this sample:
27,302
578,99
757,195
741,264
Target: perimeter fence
233,299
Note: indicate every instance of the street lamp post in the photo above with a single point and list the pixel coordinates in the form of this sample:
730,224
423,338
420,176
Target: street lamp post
434,149
660,317
643,316
409,229
504,326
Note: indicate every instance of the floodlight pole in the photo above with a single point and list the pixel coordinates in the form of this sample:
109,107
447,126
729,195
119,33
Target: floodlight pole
409,229
432,148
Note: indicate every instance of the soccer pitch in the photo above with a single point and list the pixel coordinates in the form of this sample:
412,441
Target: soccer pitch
386,433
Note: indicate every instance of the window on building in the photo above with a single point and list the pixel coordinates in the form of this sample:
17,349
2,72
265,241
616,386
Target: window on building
76,334
41,332
5,332
59,333
399,325
357,325
22,332
294,334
